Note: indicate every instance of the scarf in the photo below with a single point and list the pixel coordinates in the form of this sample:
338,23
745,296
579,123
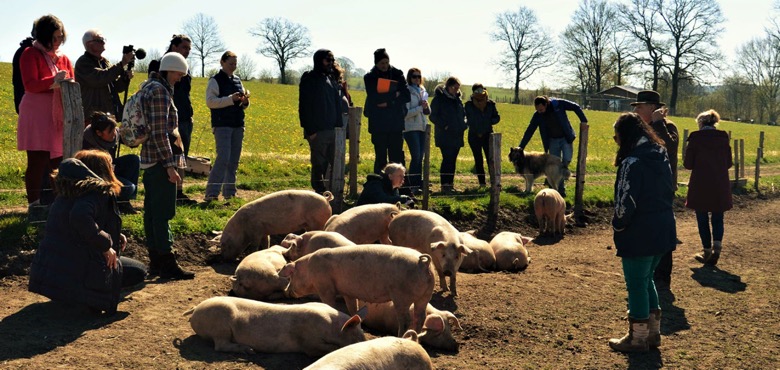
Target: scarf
51,57
480,100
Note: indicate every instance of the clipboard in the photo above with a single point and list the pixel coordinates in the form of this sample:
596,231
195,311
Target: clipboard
384,86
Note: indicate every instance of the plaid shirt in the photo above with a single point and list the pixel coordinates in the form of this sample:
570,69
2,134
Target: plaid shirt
162,119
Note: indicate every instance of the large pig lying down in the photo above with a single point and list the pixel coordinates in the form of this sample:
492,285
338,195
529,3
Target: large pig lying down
386,353
429,233
550,211
482,258
310,241
281,212
510,251
365,224
257,276
438,324
247,326
373,273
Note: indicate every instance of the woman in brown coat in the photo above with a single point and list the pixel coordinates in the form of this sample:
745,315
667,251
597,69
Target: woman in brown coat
708,156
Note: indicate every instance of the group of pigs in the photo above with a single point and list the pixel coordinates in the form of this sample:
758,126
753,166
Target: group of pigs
392,282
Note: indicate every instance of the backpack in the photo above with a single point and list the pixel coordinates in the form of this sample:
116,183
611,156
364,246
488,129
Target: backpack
134,131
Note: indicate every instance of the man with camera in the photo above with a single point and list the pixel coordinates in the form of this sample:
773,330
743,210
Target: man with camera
101,81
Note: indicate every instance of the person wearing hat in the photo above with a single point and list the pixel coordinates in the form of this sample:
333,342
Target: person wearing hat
481,115
101,81
320,110
649,107
161,156
386,98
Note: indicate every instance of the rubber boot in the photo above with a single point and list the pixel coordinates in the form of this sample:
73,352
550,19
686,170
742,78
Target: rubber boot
704,256
154,264
170,269
654,326
716,247
635,340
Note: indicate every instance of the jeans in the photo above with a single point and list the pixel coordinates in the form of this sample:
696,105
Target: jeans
387,146
478,146
560,148
449,156
642,296
415,140
703,219
159,209
322,150
127,169
229,141
185,131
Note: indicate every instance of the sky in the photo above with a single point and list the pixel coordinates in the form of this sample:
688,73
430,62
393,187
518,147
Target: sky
436,36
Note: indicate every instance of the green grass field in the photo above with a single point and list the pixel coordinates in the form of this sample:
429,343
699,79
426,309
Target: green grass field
275,155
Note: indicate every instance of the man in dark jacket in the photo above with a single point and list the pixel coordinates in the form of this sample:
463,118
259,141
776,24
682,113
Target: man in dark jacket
555,129
386,98
481,115
320,112
101,81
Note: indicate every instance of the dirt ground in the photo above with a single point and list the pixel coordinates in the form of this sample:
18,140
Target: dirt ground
558,314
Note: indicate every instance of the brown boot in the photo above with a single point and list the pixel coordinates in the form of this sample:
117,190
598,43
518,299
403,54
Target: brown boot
654,326
704,256
170,269
635,340
716,247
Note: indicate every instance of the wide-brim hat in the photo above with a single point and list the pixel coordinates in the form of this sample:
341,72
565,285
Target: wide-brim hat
648,97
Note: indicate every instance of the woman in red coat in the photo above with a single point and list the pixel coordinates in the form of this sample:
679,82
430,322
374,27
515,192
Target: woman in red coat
708,156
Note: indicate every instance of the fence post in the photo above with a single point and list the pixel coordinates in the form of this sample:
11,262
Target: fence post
736,161
759,154
337,172
426,170
579,189
73,118
742,158
685,143
761,141
494,168
354,147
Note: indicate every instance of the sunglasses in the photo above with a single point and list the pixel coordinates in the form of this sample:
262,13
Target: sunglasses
330,60
416,76
100,41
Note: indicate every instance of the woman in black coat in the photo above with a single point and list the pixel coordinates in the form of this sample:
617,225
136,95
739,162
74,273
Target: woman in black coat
448,117
481,115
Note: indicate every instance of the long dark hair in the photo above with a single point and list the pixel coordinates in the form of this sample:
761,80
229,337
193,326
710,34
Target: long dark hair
629,128
44,28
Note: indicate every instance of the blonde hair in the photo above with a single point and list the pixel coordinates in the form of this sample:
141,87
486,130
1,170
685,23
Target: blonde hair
100,163
708,118
391,168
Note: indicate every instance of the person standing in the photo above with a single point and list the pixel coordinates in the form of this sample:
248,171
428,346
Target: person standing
16,77
415,124
181,98
101,81
708,156
649,107
39,132
555,129
448,117
320,110
644,226
386,98
161,156
481,115
227,99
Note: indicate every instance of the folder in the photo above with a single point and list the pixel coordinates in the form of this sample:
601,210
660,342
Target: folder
384,86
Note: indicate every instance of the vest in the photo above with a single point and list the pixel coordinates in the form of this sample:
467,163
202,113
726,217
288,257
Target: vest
231,116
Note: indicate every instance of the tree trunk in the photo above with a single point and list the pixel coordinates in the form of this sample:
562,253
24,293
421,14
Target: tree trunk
517,83
203,66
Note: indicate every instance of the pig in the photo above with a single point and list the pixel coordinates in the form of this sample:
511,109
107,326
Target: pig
510,251
246,326
257,276
482,258
374,273
550,209
276,213
365,224
310,241
386,353
438,324
427,232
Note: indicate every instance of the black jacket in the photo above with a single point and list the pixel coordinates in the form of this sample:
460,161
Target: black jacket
181,93
379,189
390,118
481,123
448,117
319,103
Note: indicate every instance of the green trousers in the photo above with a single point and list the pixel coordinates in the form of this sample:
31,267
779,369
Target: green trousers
159,209
642,296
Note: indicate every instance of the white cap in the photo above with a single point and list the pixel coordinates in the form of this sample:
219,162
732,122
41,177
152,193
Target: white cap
173,61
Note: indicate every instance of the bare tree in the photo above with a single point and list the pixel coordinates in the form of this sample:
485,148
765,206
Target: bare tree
692,27
738,97
283,41
760,61
640,18
527,47
433,79
622,56
347,64
587,40
142,65
246,67
206,42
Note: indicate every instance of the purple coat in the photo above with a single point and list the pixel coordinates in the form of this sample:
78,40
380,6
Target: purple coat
708,156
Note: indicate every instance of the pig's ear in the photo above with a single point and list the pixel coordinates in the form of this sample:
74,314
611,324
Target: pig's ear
287,270
464,250
434,323
411,335
233,279
438,245
398,205
526,239
452,320
353,322
362,312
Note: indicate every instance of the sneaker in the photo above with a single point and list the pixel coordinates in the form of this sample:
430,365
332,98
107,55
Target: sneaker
210,198
37,213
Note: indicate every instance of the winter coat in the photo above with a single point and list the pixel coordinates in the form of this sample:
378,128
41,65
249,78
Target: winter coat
100,83
667,131
708,156
448,117
320,105
83,222
481,123
643,220
93,141
415,119
559,107
390,118
378,189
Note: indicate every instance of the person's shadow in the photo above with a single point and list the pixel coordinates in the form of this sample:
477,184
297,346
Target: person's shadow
713,277
42,327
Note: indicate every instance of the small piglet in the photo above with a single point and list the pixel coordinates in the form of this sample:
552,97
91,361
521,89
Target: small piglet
550,209
365,224
277,213
482,258
373,273
310,241
438,324
257,276
510,251
247,326
386,353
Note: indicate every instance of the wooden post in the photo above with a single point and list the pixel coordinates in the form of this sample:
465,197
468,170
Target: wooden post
761,140
494,168
73,118
685,143
759,154
582,156
354,147
337,172
736,160
426,169
729,135
742,158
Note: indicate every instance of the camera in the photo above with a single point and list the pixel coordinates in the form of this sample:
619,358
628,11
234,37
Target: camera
139,54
